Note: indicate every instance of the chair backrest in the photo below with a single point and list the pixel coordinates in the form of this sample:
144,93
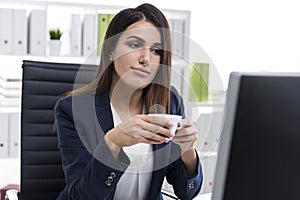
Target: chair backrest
43,83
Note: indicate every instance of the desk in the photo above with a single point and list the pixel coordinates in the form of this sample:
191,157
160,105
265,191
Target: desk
206,196
10,174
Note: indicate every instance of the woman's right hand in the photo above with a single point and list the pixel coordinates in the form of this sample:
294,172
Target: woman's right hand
139,129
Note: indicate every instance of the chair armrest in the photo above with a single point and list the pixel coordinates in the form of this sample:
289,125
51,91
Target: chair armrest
3,190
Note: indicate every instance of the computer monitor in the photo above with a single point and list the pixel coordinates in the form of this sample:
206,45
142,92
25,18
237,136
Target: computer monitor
259,149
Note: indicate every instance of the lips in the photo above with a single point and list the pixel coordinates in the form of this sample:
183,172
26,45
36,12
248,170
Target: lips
140,69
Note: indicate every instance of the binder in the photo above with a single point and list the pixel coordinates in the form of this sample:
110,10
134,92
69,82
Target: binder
6,28
10,86
209,164
37,32
4,135
209,129
19,32
76,35
110,17
199,74
204,81
89,32
14,135
178,37
177,77
103,20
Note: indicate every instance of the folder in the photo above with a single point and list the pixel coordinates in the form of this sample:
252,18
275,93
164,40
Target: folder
4,135
209,164
10,86
209,129
177,77
14,135
178,37
199,74
6,28
89,32
110,17
37,32
103,20
19,32
76,35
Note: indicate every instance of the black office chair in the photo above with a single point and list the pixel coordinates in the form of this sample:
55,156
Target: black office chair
43,83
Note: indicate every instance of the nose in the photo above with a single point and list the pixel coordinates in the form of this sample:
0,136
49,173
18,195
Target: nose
144,57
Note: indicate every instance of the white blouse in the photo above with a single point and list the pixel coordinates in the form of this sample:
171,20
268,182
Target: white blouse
135,182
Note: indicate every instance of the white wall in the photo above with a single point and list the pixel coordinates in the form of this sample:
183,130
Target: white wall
256,35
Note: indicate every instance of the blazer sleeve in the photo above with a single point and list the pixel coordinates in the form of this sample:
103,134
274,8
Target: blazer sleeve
185,187
86,177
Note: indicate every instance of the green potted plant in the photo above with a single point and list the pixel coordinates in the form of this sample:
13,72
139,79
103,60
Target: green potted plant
55,43
55,34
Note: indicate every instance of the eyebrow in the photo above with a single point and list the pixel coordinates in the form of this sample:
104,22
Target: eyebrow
143,41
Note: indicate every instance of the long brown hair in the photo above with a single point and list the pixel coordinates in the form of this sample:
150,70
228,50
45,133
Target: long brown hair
154,94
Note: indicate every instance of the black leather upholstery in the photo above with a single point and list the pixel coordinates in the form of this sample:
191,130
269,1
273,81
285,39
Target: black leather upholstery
43,83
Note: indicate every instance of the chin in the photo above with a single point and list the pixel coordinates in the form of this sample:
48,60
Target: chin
140,86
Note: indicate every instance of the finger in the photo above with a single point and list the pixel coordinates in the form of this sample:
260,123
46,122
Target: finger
158,128
191,130
157,120
186,123
183,139
149,141
154,136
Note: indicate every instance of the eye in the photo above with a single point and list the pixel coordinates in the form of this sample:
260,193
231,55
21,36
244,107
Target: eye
156,51
134,45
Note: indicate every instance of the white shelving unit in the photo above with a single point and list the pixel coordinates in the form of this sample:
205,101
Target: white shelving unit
59,16
185,52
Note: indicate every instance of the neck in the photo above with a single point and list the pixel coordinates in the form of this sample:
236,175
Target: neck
126,101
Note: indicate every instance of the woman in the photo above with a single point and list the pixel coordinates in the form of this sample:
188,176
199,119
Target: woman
110,147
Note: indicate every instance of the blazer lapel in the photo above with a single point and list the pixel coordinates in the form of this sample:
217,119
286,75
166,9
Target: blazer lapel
103,111
92,117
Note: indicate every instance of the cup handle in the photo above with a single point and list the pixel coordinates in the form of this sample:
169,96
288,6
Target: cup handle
179,127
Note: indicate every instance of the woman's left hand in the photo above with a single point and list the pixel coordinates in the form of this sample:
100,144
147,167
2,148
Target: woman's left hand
186,135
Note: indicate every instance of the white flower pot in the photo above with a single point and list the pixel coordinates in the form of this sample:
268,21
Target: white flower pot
54,47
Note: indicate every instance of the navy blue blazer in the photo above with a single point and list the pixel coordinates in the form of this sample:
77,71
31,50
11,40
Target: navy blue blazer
91,171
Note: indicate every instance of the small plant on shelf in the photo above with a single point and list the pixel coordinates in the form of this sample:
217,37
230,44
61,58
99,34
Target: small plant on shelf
55,34
55,43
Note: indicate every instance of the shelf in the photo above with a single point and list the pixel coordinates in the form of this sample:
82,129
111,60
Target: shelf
10,109
59,14
14,62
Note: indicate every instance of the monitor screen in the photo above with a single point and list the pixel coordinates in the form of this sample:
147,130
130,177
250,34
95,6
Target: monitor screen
259,149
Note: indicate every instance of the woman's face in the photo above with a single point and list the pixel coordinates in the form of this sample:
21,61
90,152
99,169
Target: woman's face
137,54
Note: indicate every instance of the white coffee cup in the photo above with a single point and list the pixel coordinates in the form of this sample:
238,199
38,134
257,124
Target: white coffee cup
174,119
